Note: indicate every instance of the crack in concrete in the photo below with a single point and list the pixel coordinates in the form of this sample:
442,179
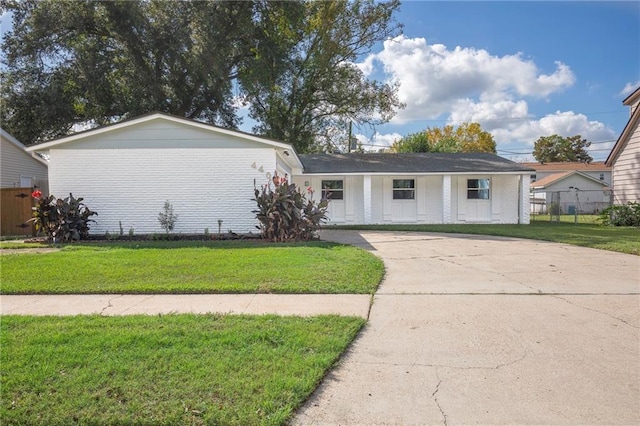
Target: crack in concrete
435,399
510,279
109,305
139,303
456,367
595,310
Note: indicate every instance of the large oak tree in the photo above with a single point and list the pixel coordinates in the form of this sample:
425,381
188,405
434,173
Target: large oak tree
97,62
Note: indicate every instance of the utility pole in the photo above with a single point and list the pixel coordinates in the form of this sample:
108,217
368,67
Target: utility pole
349,138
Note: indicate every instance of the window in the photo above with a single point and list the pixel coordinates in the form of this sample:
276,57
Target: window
533,178
478,189
333,189
601,176
404,189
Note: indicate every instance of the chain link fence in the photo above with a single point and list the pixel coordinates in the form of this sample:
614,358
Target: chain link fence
573,202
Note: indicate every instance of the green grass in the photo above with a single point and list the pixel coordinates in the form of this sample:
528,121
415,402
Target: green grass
164,370
620,239
17,245
193,267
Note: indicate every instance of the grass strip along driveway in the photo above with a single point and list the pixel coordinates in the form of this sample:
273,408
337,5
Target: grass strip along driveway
193,267
164,370
621,239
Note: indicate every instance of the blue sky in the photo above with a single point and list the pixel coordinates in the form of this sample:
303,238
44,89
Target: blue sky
521,69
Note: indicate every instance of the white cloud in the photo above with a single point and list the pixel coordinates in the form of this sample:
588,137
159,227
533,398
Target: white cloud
629,88
378,141
566,123
434,78
468,84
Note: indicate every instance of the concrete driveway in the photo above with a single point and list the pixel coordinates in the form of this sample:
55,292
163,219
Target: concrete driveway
488,330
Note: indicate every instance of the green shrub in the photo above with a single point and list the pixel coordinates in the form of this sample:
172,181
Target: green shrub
621,215
61,220
286,214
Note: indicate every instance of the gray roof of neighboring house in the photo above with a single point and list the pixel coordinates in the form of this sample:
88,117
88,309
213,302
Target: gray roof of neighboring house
409,163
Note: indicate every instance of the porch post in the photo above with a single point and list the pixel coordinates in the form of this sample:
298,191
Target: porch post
366,184
525,200
446,199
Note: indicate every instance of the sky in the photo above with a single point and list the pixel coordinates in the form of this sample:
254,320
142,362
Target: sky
521,69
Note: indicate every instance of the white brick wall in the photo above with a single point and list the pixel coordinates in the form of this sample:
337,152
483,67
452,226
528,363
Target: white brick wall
131,185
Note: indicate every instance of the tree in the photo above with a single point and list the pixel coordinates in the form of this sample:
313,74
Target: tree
555,148
302,84
467,137
98,62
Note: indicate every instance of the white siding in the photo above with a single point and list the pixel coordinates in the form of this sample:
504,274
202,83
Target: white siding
131,185
626,171
15,162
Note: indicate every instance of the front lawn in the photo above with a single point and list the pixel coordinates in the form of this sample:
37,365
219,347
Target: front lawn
620,239
164,370
193,267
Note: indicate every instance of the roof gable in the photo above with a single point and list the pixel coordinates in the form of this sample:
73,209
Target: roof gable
402,163
157,116
6,136
627,132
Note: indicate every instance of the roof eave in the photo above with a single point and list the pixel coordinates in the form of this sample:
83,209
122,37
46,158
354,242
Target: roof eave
624,138
45,146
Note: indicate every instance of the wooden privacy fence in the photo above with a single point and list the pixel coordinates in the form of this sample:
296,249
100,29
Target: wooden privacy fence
15,211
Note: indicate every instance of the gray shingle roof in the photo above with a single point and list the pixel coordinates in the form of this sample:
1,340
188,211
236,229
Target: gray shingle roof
409,163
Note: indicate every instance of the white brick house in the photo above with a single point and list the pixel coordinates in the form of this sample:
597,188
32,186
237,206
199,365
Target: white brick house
126,172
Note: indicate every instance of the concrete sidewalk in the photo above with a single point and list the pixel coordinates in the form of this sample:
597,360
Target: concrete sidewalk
127,304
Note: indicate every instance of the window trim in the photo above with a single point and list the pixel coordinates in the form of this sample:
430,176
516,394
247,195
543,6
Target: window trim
332,191
409,192
479,189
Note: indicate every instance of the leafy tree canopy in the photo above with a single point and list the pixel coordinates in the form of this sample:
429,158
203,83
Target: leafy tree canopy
467,137
292,63
554,148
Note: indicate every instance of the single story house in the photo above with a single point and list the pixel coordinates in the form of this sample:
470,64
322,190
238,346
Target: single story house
126,171
18,167
625,156
419,187
572,191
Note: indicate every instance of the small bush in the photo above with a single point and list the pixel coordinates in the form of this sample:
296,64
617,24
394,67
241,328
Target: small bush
61,220
286,214
167,217
621,215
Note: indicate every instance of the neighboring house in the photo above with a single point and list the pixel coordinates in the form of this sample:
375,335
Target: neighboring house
574,186
20,168
625,156
126,172
597,170
21,171
573,192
